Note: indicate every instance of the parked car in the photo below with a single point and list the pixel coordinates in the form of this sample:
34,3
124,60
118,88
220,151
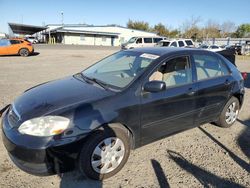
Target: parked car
176,43
32,40
203,46
238,49
15,47
214,48
92,120
138,42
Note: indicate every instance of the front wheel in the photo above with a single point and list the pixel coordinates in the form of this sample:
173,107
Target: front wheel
104,153
229,113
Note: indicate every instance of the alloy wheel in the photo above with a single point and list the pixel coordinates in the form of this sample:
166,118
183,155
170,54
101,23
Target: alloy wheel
231,113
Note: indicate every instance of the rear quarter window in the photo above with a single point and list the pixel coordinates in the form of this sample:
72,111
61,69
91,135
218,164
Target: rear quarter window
148,40
189,42
15,41
156,40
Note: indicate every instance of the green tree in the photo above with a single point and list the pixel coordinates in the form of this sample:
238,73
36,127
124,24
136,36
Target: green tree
161,30
140,25
242,30
174,33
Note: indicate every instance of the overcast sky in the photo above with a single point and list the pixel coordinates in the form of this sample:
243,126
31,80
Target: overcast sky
101,12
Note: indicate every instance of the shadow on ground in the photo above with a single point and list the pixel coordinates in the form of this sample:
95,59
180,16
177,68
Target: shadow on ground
243,164
206,178
33,54
161,177
244,138
76,180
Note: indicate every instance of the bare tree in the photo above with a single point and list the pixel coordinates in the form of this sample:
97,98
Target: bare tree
191,23
227,28
212,29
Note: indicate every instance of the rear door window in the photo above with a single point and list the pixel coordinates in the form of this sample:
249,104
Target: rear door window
174,44
148,40
208,66
181,43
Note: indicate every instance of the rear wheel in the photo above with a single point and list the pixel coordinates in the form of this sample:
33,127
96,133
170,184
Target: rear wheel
104,153
229,113
24,52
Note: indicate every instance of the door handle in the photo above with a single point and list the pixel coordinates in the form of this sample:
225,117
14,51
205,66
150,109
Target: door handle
227,82
191,92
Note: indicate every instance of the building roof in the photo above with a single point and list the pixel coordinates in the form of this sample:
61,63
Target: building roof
89,26
25,29
62,30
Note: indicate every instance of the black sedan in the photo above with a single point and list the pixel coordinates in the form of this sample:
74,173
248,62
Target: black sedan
92,119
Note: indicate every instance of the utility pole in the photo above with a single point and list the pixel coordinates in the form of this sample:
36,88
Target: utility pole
62,17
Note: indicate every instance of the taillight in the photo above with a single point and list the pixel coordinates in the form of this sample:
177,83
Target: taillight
244,75
29,44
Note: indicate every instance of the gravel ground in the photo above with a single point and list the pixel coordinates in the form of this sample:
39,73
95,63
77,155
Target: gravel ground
207,156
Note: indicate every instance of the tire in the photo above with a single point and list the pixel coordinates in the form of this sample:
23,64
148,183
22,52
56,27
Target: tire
99,166
24,52
229,113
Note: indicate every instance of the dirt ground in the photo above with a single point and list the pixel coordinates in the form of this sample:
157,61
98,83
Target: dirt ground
207,156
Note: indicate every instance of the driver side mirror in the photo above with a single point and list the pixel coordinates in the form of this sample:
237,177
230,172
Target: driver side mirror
155,86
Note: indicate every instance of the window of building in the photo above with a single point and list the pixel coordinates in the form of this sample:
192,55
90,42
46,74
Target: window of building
104,39
208,66
82,37
122,39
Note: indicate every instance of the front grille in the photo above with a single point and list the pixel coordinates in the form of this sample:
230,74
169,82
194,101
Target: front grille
13,117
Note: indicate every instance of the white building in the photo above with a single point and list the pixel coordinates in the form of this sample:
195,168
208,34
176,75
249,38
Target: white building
80,34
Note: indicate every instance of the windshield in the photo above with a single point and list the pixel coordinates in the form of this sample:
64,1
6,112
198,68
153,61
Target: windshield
132,40
119,69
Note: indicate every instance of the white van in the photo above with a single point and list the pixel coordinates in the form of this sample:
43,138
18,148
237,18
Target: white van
176,43
138,42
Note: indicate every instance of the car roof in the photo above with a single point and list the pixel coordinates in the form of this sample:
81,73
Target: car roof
163,50
148,37
15,39
173,40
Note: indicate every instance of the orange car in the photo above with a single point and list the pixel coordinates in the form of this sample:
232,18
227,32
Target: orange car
15,46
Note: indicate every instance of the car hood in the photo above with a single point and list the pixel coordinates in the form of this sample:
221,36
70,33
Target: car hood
59,94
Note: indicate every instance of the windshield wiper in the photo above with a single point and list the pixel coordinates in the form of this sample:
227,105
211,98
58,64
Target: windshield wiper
99,82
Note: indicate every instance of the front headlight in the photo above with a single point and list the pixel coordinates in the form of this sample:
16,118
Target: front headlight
44,126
